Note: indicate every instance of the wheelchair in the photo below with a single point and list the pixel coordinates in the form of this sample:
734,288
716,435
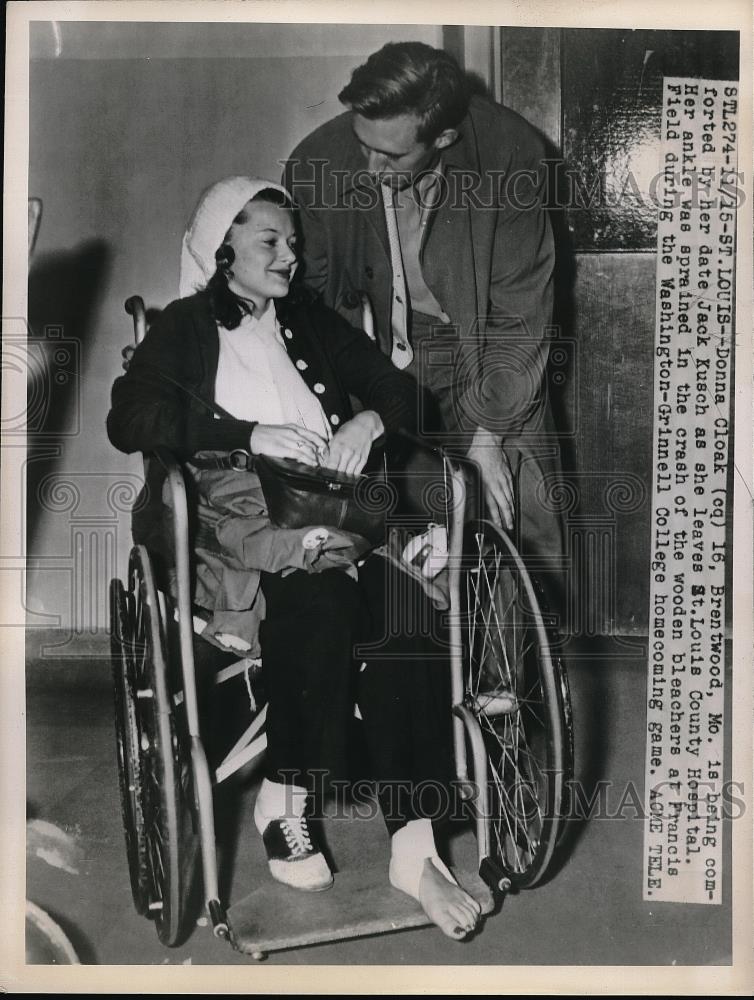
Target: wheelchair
512,731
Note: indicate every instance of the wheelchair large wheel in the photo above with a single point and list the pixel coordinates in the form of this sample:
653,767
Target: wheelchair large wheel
517,690
164,761
130,775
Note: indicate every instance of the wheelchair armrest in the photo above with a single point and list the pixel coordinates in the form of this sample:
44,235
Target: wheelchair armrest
177,486
459,468
441,451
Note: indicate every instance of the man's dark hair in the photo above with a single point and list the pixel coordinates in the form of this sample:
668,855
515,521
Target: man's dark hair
410,78
227,308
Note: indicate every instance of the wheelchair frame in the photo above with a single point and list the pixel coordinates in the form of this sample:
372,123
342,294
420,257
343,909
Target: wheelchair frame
471,739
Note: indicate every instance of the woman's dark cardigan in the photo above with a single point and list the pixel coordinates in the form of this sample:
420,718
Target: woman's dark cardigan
149,412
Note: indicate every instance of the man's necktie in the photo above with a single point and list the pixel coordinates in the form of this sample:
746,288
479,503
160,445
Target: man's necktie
402,354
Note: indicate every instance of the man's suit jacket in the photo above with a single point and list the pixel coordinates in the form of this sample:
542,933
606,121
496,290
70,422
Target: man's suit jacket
487,256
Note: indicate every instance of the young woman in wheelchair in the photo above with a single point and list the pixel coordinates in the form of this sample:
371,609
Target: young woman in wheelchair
280,367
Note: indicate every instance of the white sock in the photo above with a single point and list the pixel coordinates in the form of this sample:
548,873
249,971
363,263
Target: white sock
276,800
410,847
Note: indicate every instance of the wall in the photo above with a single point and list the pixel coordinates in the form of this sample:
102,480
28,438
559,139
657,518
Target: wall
128,123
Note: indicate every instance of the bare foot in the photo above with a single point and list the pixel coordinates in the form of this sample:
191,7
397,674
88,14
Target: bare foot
454,911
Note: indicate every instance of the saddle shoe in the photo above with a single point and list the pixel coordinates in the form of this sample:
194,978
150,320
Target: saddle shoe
292,858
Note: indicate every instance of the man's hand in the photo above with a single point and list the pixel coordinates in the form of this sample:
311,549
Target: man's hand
350,447
497,479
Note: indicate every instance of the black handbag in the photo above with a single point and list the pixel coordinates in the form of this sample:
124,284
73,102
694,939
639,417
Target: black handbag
300,496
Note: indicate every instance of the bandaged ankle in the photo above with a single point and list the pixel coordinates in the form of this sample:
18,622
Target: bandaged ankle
410,847
276,800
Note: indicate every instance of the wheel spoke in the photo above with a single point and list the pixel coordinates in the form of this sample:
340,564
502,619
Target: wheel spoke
156,830
158,866
501,796
515,820
514,762
490,594
523,787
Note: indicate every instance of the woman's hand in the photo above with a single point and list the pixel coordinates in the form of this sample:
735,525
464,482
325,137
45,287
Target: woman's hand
349,449
287,441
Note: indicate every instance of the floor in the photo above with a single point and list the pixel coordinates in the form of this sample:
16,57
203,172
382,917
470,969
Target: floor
589,913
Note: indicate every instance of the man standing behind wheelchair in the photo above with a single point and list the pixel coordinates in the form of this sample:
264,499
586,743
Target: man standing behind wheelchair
250,362
432,200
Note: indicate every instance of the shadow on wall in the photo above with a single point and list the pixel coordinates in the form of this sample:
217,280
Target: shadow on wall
65,288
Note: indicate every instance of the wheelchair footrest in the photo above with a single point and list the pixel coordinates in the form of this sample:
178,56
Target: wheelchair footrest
361,902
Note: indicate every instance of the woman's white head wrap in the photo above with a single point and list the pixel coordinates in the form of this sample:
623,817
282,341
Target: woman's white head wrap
212,218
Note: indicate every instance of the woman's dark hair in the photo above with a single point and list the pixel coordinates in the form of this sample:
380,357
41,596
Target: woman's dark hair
227,308
410,78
